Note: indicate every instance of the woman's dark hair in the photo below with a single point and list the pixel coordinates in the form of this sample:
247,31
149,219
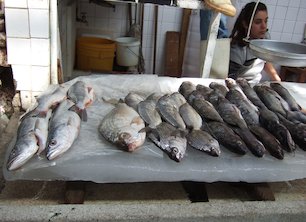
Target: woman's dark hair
239,31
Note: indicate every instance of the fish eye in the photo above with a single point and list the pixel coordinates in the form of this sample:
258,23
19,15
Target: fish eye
53,143
175,150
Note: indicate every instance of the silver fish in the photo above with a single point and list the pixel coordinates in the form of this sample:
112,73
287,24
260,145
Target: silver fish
63,131
170,140
132,99
203,141
122,126
42,130
82,95
168,110
191,118
24,149
147,111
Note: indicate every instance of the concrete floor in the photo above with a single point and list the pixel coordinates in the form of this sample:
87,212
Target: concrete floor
44,201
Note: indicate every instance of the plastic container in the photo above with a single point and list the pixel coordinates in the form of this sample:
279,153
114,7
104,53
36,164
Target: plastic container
127,51
95,54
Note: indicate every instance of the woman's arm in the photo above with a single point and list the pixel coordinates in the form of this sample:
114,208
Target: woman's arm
270,70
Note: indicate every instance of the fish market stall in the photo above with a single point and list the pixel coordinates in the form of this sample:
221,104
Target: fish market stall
92,158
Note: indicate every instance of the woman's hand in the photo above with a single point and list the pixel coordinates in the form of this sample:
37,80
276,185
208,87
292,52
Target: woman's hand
271,71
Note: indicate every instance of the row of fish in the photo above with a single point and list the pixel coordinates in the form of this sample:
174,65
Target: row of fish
53,125
260,119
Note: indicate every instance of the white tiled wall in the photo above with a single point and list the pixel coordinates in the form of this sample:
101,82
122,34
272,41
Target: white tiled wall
287,19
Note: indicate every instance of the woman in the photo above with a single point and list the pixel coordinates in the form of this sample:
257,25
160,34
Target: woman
242,62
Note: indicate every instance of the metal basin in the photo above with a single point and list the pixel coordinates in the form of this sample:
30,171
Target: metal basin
282,53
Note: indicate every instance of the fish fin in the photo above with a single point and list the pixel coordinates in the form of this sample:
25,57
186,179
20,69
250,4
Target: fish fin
82,113
146,129
111,101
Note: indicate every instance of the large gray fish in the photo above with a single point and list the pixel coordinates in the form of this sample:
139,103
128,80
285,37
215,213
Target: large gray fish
132,99
206,110
177,99
269,98
296,116
227,137
203,141
283,92
147,111
270,142
32,136
63,130
170,140
219,88
250,92
49,101
195,95
82,95
190,116
254,145
230,113
270,121
186,88
122,126
169,111
297,131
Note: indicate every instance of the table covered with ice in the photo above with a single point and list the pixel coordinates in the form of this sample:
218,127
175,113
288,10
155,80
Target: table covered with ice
92,158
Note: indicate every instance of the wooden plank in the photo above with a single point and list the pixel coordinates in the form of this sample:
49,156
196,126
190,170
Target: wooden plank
75,192
183,37
259,191
196,191
172,54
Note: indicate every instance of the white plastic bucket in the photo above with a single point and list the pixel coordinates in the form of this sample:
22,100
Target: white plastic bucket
127,51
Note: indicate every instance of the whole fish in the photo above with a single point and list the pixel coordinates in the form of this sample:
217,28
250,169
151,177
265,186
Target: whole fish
41,131
206,110
121,126
82,95
219,88
63,130
191,118
269,98
227,137
283,92
177,99
296,116
254,145
169,111
203,141
186,88
250,92
195,95
147,111
132,99
49,101
270,142
169,139
270,121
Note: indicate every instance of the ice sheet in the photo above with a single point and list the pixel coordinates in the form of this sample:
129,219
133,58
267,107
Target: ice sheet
91,158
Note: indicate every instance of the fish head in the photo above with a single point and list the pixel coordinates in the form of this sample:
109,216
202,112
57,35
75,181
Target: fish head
23,150
59,141
131,141
177,148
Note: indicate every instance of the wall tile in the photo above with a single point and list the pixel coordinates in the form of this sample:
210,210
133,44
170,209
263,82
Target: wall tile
303,4
283,2
22,75
38,4
19,51
277,25
40,78
16,4
280,12
302,15
102,12
292,14
271,11
289,26
286,37
294,3
39,23
296,38
299,28
86,7
40,52
17,23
